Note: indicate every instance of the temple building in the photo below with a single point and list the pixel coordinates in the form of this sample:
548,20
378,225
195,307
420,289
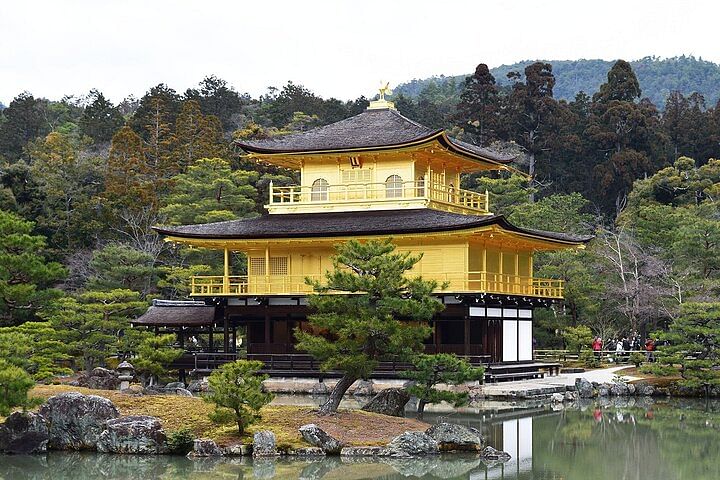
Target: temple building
376,175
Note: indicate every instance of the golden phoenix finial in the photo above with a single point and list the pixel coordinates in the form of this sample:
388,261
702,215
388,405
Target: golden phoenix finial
384,90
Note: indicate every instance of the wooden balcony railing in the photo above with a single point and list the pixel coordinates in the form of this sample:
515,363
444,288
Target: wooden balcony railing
445,196
470,282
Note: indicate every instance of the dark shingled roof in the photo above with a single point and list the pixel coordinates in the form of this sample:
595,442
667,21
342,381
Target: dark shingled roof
176,313
340,224
384,128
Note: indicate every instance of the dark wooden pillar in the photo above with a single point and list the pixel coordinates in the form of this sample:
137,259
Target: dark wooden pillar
438,330
234,340
467,335
267,329
226,333
181,337
210,338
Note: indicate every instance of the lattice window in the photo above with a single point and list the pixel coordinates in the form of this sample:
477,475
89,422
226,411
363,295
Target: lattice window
319,192
256,265
361,175
394,186
278,265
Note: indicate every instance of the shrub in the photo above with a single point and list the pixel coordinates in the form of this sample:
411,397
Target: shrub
577,337
15,383
237,386
637,358
445,368
588,358
180,442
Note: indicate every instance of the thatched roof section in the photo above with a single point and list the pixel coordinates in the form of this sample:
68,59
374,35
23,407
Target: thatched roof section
372,129
164,313
341,224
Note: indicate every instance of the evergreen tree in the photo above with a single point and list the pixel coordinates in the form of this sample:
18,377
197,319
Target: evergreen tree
36,348
529,118
237,386
129,181
22,121
383,315
92,324
196,136
119,266
442,368
210,191
692,349
217,98
67,180
154,354
15,384
622,85
479,107
26,277
100,119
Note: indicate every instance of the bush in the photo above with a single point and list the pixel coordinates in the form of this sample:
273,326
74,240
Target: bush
577,337
444,368
15,383
637,358
180,442
588,358
237,386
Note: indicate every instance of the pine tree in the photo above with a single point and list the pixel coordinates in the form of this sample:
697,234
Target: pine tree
92,323
692,350
196,136
100,119
237,386
210,191
383,315
442,368
129,181
26,277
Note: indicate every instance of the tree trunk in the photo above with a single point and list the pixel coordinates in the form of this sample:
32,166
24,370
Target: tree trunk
421,409
332,403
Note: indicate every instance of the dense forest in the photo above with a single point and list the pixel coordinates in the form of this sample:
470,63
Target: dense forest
658,78
82,180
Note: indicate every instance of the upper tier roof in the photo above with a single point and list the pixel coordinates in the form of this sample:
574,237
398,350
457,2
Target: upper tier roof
342,224
379,129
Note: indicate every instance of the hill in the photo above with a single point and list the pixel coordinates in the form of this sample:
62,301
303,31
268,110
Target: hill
657,77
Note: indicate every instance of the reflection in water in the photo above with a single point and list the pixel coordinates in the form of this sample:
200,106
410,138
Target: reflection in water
631,439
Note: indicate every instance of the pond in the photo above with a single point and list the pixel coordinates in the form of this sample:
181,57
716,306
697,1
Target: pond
629,439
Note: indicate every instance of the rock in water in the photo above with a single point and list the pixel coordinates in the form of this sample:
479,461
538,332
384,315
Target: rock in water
557,398
75,421
451,437
264,444
197,386
204,447
133,434
414,443
23,433
584,388
317,437
495,455
174,385
391,401
619,389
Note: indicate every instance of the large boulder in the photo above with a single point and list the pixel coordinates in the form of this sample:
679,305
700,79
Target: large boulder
264,444
100,379
451,437
317,437
24,433
414,443
391,402
197,386
584,388
133,434
619,389
204,447
75,421
364,388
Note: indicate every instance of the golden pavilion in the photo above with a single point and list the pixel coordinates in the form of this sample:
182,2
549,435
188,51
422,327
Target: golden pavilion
372,176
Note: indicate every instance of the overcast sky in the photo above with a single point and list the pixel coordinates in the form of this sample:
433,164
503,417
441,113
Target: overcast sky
336,48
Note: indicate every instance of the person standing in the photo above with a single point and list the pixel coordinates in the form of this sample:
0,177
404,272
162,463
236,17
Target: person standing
650,349
597,345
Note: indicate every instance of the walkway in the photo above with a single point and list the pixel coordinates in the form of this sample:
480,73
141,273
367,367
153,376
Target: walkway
548,385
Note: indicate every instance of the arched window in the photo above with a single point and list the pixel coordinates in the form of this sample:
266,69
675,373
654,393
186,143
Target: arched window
319,192
394,187
420,186
451,193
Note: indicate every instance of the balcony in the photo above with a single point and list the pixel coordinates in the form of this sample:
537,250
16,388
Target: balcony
458,282
376,196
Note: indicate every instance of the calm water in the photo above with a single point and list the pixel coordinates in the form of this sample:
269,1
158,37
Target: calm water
627,440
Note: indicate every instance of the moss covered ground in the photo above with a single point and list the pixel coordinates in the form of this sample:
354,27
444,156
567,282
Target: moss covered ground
176,412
